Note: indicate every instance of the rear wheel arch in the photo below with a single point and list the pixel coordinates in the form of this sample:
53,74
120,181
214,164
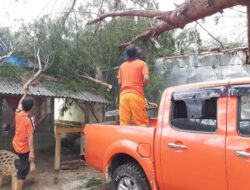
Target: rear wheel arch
123,159
120,159
130,176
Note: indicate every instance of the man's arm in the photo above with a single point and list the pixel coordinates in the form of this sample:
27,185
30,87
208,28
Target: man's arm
31,145
145,80
145,74
119,82
119,77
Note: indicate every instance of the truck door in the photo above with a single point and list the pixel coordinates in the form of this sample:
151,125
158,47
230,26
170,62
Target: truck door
193,141
238,138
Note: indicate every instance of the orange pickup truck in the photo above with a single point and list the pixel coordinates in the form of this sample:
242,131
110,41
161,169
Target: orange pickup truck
200,141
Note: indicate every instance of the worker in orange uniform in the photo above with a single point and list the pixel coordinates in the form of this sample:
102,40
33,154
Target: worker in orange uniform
133,76
23,139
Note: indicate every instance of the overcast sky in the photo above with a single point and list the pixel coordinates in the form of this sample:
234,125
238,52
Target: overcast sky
231,26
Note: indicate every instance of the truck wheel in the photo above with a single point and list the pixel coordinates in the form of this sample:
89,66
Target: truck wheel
129,177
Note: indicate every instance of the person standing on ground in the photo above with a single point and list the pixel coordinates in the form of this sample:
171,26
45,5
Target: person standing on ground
23,139
133,76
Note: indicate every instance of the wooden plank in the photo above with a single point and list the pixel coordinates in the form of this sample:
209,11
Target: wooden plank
86,113
81,144
1,115
58,151
68,129
52,108
64,123
59,131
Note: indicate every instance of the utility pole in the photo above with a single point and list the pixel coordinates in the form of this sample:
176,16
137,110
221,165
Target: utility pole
248,31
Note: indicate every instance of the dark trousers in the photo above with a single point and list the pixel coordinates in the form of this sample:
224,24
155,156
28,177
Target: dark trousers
24,166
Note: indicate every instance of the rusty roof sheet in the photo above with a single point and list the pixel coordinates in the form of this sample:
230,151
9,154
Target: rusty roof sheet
14,87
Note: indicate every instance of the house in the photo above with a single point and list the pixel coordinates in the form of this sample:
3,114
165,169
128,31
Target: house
85,107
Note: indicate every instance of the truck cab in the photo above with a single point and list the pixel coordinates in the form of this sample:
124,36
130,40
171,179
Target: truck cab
200,140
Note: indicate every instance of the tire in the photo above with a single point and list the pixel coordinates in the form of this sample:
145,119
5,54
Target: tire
129,176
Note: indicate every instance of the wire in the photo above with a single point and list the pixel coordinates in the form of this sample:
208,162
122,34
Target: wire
210,34
97,27
43,10
238,10
53,6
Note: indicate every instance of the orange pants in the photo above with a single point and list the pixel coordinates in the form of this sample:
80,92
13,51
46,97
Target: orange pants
133,106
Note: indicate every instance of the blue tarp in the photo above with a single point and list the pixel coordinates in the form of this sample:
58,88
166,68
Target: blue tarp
18,60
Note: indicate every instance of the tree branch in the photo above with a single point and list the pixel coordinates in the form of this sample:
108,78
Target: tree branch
86,76
65,17
210,34
152,32
3,58
141,13
187,12
34,77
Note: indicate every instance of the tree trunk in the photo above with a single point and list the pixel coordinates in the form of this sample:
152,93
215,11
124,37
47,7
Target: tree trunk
187,12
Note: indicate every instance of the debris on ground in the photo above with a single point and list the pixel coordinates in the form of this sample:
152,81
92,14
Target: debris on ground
72,164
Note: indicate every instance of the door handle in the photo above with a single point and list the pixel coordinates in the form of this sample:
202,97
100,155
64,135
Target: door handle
177,146
242,154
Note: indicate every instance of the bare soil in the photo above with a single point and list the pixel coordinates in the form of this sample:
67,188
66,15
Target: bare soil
81,178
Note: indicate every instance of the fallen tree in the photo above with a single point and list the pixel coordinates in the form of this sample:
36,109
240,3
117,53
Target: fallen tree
187,12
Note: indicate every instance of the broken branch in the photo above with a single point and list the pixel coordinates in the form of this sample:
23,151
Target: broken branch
34,77
86,76
187,12
3,58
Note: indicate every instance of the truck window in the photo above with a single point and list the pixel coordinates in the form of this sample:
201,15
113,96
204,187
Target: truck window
244,115
195,114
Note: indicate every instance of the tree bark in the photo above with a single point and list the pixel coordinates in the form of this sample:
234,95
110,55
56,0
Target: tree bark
36,75
187,12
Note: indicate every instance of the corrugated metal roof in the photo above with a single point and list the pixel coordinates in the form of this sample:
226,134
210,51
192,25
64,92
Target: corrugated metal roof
13,87
84,96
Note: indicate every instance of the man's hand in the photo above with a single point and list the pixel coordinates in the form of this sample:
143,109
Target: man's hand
31,156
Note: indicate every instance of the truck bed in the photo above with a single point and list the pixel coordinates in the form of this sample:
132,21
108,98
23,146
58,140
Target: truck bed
102,140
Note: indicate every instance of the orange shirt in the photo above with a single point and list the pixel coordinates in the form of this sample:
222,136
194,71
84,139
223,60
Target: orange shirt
23,129
131,74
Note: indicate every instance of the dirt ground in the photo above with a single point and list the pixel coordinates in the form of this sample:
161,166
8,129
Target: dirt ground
81,178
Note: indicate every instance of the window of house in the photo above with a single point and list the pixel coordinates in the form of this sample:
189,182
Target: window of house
244,115
195,114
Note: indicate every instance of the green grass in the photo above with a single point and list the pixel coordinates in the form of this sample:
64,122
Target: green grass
55,180
93,182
